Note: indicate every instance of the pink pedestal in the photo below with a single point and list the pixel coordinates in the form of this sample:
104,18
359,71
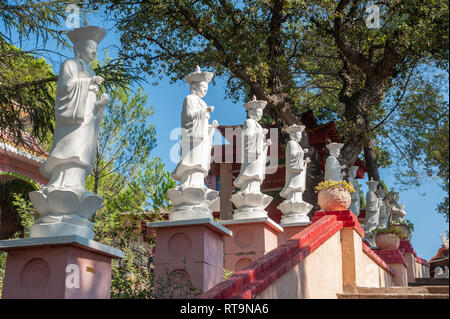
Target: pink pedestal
188,250
65,267
252,239
409,254
290,230
345,216
394,258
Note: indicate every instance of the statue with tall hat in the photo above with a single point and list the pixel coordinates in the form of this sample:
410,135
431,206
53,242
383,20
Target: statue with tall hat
191,199
250,202
64,205
294,209
333,169
372,212
355,206
383,221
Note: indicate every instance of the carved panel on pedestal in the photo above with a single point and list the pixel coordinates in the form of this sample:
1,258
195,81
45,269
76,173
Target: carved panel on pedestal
35,275
180,245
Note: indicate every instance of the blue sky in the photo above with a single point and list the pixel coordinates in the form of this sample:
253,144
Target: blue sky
166,98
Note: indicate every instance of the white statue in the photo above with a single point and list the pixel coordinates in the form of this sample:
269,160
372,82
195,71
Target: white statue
444,241
383,221
191,199
294,209
250,202
355,206
333,169
372,212
64,205
395,212
439,273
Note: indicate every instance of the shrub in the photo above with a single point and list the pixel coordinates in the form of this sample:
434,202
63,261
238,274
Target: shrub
334,184
391,230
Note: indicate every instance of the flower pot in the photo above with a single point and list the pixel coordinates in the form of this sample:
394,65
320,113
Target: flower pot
405,229
387,241
336,198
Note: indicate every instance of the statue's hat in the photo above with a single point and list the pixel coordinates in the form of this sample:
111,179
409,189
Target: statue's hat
88,32
255,104
372,184
199,76
335,146
295,128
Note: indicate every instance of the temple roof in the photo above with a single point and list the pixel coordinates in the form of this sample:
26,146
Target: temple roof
441,254
28,147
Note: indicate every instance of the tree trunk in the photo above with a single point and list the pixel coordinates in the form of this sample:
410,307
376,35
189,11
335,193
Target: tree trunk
371,161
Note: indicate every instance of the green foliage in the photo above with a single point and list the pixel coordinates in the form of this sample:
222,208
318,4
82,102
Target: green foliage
334,184
227,273
404,222
174,285
3,257
26,212
391,230
385,187
27,81
362,201
18,200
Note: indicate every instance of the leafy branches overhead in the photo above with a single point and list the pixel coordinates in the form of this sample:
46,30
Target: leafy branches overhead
298,55
27,82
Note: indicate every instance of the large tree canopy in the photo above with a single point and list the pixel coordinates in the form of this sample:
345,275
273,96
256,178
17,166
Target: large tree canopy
322,55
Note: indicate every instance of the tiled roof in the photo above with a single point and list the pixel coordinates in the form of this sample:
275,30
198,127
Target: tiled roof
28,147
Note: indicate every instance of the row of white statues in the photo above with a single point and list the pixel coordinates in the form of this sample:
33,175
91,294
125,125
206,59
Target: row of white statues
65,206
381,210
193,200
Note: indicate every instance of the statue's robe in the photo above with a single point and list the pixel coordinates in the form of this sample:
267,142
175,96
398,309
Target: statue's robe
372,211
77,124
383,215
355,206
332,169
253,167
196,138
295,170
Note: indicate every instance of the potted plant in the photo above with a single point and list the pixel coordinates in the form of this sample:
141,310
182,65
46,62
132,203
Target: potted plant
405,226
334,195
388,238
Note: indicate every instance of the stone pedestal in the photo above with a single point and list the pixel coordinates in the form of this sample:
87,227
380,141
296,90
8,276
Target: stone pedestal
252,239
290,230
64,267
345,216
394,258
188,252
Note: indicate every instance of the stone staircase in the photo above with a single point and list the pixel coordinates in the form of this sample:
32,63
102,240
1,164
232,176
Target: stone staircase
410,292
430,282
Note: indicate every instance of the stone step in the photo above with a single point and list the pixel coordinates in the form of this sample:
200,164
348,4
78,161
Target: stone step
404,290
418,292
393,296
430,282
